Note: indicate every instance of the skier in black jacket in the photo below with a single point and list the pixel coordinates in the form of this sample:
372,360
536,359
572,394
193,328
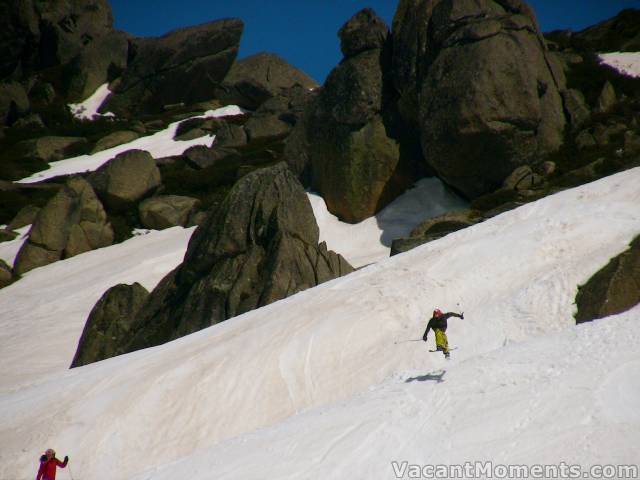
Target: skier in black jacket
439,325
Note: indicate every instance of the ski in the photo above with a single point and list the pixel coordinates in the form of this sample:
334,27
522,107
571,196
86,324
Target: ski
452,348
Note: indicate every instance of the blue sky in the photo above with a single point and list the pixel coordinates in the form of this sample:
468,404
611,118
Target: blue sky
304,32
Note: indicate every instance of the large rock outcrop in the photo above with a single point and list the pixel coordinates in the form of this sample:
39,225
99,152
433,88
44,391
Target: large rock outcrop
612,290
6,274
13,102
72,222
259,246
76,37
618,34
166,211
486,95
257,78
126,179
349,133
109,324
183,66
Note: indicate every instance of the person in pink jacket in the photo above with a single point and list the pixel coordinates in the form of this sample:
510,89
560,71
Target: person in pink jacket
48,465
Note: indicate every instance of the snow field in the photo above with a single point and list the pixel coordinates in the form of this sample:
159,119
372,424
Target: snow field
9,250
43,314
627,63
569,397
224,401
370,240
88,109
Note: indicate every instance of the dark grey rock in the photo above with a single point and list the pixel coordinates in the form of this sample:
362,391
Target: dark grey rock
612,290
31,122
72,222
488,100
603,133
631,142
114,139
181,67
259,246
126,179
576,107
6,274
435,228
523,178
364,31
585,140
201,157
42,94
607,98
257,78
166,211
26,216
230,135
72,42
617,34
262,128
109,324
196,128
350,133
14,103
50,148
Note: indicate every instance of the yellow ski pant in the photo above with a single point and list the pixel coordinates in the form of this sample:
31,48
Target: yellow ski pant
441,340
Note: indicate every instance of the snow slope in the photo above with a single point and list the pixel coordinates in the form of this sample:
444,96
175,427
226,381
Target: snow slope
370,240
625,62
49,305
9,249
326,383
160,144
88,109
570,398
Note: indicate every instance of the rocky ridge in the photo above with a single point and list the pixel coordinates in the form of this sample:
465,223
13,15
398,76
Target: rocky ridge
536,114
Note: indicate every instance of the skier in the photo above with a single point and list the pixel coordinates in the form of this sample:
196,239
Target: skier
49,464
439,325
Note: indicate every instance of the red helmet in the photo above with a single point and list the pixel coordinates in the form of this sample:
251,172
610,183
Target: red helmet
437,312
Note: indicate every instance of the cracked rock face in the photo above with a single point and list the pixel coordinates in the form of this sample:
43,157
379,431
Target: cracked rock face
486,96
36,36
183,66
109,323
349,133
259,246
613,289
72,222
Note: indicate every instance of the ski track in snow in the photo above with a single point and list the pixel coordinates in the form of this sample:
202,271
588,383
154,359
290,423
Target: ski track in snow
313,386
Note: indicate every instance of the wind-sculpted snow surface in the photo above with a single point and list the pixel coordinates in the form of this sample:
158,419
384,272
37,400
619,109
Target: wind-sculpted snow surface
525,384
545,402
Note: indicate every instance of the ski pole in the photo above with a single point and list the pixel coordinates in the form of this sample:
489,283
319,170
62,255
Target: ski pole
70,471
405,341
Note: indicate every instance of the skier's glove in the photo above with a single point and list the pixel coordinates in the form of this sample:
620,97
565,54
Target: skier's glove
462,316
66,459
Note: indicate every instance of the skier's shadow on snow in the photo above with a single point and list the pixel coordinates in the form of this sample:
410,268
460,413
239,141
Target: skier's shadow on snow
429,377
